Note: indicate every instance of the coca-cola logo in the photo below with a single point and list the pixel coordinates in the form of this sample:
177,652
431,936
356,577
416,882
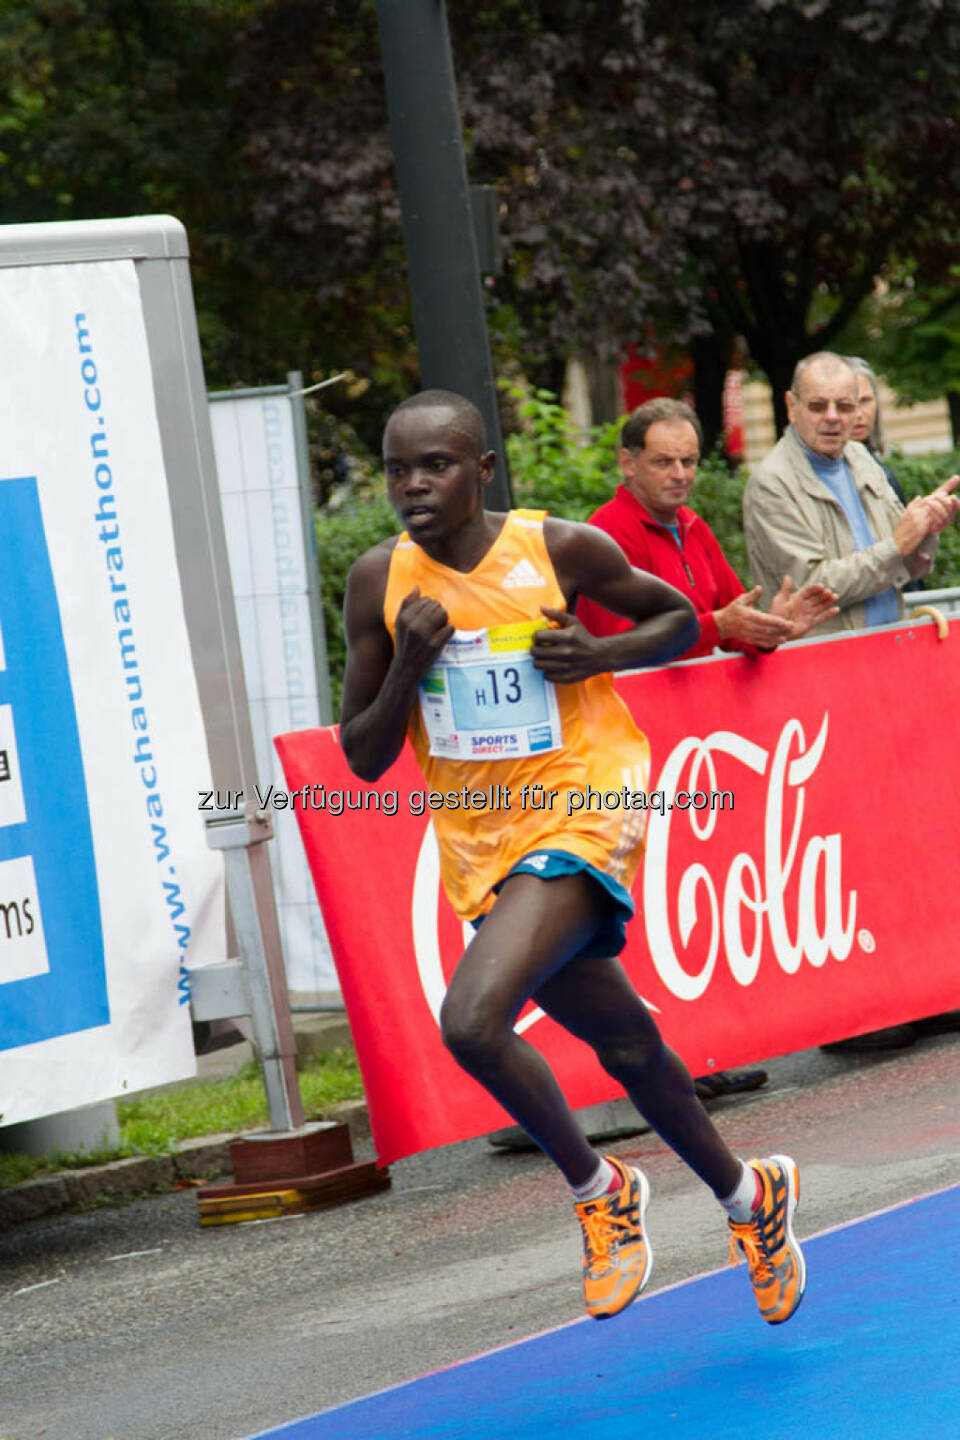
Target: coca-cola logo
426,931
786,889
819,923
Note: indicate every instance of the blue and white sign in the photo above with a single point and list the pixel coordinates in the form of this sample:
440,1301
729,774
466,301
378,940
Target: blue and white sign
52,975
108,892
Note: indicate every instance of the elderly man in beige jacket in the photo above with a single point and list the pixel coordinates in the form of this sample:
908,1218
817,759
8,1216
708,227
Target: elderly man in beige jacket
819,507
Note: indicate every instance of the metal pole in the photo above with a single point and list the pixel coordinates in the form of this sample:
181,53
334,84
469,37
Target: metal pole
215,644
315,603
240,836
438,229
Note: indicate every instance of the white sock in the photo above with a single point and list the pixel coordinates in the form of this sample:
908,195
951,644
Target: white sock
742,1200
598,1184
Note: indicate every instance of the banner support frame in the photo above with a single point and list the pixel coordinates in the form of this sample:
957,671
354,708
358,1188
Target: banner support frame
158,245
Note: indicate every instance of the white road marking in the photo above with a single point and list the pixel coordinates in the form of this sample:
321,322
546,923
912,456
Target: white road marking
41,1285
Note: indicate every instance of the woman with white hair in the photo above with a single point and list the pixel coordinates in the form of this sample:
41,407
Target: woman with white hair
868,425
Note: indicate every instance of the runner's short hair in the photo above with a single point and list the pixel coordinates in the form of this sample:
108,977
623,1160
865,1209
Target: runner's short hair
468,417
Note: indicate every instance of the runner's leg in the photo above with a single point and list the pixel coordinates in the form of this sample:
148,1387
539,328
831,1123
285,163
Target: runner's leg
530,934
595,1001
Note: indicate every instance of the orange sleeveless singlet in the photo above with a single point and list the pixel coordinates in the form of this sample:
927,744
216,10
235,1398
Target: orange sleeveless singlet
601,746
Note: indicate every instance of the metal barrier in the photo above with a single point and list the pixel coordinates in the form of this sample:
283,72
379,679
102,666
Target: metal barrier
946,601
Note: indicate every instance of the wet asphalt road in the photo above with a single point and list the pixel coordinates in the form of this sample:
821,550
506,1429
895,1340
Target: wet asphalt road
135,1324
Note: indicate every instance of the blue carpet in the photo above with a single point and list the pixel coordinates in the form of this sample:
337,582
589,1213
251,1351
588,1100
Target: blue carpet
873,1353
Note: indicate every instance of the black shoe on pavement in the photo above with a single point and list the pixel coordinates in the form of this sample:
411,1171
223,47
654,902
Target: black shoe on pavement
894,1037
728,1082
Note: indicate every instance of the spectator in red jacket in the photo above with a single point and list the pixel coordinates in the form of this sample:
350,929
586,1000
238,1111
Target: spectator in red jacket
657,531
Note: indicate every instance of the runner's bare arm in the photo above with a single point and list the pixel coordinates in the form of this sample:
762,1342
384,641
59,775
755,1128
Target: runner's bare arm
588,562
380,683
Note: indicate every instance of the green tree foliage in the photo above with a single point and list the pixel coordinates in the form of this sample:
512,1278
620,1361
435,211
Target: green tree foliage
342,537
114,107
716,169
690,172
315,158
109,108
919,474
919,349
694,170
912,336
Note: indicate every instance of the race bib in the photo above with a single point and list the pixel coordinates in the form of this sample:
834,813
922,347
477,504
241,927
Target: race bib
483,699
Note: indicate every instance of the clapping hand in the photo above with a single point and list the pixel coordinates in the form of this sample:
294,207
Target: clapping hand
804,608
739,621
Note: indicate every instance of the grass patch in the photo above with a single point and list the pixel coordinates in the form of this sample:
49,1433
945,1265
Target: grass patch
155,1124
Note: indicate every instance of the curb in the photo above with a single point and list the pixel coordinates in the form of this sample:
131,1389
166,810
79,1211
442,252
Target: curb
121,1180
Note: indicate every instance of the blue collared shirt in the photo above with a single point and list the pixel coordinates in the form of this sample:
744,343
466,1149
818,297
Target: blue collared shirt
882,609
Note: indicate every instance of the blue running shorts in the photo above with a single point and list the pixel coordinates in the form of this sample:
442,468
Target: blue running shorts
611,935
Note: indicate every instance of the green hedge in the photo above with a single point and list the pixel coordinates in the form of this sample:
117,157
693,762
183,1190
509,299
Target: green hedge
918,474
571,475
342,536
553,466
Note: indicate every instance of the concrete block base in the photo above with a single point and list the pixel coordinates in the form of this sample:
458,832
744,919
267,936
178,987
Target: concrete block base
276,1173
92,1128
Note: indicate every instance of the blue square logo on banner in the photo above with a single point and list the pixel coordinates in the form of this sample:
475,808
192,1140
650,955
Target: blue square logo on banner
52,975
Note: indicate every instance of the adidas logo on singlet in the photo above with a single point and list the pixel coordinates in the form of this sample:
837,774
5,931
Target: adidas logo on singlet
523,576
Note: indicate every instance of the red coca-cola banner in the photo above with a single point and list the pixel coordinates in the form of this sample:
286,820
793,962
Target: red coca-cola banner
819,906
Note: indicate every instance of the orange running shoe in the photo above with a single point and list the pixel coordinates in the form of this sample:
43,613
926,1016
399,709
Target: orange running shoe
616,1253
777,1270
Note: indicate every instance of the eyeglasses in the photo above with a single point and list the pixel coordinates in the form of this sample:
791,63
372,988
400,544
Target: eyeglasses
820,407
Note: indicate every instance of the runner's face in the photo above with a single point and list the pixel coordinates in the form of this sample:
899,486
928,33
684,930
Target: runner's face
435,471
661,475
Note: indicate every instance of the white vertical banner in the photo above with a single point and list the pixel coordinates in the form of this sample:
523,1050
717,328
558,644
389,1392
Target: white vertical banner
108,892
260,496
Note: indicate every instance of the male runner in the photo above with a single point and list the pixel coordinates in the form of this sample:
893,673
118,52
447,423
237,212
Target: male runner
447,642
